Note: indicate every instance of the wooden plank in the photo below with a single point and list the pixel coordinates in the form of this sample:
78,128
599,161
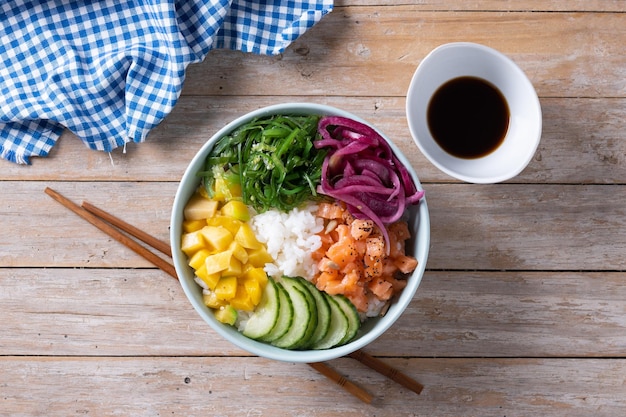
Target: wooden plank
512,314
527,227
374,51
201,386
499,5
109,312
65,239
496,227
581,142
101,312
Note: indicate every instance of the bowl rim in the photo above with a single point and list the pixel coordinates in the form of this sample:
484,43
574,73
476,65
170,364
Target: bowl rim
232,335
516,72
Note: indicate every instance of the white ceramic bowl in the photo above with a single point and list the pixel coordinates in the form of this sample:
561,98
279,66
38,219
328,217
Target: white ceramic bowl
418,246
460,59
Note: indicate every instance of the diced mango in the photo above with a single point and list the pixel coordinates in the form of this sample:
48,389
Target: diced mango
245,237
217,237
198,258
253,288
226,288
224,251
200,208
226,315
236,209
210,280
192,242
234,267
242,300
217,262
210,300
259,257
238,252
227,187
257,274
230,224
235,190
193,225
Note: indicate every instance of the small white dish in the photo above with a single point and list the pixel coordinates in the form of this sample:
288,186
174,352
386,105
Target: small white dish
464,59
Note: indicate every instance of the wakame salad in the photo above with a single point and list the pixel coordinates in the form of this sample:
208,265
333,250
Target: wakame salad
297,232
273,159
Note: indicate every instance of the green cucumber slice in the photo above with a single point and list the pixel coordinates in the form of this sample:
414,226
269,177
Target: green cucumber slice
323,313
285,316
265,316
304,316
354,321
338,328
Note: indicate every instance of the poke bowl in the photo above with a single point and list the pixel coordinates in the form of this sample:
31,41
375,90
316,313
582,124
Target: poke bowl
299,232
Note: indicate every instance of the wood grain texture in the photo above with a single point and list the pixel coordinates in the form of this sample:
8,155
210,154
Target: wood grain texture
138,312
499,5
374,51
497,227
582,142
209,386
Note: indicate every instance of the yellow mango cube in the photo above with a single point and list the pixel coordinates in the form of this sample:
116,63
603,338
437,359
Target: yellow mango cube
229,223
242,300
259,257
226,288
217,262
198,258
245,237
257,274
234,267
239,252
211,300
193,225
217,237
210,280
253,288
236,209
227,187
192,242
199,208
221,191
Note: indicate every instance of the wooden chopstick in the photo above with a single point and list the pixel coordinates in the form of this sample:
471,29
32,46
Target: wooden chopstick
342,381
113,232
388,371
150,240
95,216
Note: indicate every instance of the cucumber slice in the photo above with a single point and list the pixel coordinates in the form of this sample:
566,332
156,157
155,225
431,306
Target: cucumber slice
265,316
354,322
304,316
338,328
285,316
323,313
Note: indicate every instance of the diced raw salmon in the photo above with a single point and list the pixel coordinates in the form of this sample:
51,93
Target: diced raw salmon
330,211
354,261
381,288
361,229
406,264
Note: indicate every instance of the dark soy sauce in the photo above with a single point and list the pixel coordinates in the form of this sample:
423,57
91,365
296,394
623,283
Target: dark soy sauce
468,117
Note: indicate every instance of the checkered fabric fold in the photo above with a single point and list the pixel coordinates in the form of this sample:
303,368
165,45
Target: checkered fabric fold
110,71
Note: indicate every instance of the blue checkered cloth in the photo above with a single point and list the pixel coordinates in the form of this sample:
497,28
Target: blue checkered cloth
110,71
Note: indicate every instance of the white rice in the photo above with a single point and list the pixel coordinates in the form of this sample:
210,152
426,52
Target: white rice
290,239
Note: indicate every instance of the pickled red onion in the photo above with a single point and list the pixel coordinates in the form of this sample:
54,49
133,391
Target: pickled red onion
362,171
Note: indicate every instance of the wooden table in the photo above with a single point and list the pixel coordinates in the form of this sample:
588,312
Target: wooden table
521,312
